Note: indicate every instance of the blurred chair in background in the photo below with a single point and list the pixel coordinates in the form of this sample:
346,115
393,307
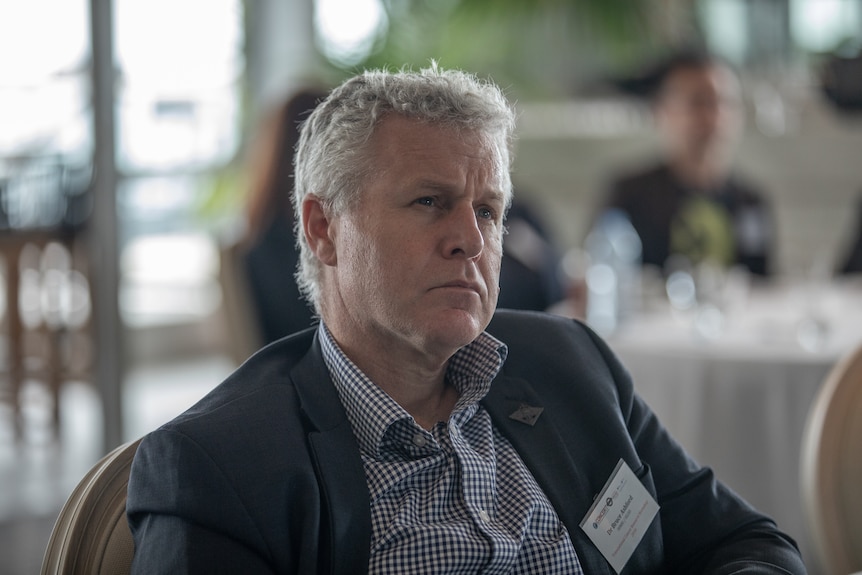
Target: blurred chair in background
831,468
45,315
91,535
691,202
45,301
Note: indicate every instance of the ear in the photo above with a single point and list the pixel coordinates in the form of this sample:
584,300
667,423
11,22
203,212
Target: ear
319,230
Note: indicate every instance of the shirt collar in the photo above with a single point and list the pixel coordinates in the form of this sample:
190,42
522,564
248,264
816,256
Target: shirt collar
371,411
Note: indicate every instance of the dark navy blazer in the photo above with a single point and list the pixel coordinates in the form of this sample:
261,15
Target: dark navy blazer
263,475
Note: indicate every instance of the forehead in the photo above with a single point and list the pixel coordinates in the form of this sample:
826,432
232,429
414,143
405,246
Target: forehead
399,140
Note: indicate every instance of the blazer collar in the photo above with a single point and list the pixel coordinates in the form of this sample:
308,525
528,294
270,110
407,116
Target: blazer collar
345,505
549,458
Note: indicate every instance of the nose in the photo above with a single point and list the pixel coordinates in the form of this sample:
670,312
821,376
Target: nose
464,237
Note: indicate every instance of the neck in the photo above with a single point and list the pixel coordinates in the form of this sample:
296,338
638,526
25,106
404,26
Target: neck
424,394
418,384
427,408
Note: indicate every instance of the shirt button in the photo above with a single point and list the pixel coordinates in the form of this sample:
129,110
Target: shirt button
483,515
419,440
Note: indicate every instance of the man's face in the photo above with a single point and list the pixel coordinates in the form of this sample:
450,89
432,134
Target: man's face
699,111
418,255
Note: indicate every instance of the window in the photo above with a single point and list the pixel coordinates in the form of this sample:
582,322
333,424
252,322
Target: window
180,66
45,140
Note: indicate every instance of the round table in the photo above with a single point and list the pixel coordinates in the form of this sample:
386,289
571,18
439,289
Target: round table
735,388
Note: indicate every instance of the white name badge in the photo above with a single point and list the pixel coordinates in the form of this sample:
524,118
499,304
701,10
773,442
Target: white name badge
620,516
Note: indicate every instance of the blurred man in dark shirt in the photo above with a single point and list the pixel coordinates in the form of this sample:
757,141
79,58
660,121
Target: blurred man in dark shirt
691,203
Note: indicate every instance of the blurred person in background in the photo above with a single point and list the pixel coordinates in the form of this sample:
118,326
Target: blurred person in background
691,202
269,249
530,277
852,263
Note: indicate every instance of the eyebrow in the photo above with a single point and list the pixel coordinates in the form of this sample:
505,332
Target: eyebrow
495,194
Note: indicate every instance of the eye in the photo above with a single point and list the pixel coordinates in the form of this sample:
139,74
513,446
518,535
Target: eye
427,201
485,213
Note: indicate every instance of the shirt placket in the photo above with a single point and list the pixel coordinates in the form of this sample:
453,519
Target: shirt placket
479,488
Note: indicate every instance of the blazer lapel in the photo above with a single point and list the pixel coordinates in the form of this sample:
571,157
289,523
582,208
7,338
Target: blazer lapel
549,458
346,502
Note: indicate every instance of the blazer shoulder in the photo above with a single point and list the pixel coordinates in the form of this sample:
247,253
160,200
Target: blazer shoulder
511,325
547,345
532,337
264,378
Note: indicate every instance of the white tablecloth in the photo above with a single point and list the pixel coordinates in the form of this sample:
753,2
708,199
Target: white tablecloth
738,400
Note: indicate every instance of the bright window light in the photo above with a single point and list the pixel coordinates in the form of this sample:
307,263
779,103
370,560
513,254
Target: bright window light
41,38
43,82
725,23
819,25
346,29
178,93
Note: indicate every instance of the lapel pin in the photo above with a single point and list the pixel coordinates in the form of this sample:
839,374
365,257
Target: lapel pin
527,414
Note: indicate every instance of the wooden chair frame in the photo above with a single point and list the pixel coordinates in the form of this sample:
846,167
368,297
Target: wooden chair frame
831,468
91,535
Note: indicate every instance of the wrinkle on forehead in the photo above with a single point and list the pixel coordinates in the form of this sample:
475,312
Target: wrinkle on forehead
491,150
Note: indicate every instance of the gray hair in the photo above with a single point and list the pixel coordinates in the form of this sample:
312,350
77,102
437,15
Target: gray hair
330,159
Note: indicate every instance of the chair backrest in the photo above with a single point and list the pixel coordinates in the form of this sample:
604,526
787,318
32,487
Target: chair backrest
831,468
91,535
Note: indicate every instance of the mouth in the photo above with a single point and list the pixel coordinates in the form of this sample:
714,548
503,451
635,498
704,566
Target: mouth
462,285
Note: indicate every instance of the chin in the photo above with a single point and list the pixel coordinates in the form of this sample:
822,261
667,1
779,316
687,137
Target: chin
463,325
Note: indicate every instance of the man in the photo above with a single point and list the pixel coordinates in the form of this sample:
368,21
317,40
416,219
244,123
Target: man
399,436
691,203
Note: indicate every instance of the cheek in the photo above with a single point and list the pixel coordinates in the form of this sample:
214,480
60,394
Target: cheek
380,266
493,258
494,246
492,282
356,257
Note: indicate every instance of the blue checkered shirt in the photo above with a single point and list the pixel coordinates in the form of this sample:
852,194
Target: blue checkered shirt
458,498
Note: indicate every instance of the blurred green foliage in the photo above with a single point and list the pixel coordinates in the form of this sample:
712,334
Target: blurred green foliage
537,48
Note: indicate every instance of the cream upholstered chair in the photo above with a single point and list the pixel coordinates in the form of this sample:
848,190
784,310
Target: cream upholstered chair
831,468
91,535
